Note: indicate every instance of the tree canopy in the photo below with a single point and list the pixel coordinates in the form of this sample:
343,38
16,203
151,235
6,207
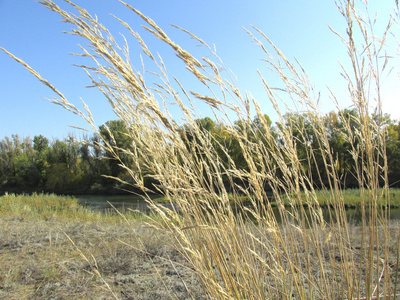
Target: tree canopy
72,166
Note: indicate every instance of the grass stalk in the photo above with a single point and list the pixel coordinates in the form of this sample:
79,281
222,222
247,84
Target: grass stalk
243,252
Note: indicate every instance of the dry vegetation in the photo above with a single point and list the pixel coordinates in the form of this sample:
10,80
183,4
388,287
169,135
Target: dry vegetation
39,261
51,248
250,255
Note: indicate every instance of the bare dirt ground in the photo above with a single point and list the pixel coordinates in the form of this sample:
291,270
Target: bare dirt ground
54,259
38,261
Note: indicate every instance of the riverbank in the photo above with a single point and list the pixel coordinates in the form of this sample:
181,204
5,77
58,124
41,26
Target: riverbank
52,248
352,198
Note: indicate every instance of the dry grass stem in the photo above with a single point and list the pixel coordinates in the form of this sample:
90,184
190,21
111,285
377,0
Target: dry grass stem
248,251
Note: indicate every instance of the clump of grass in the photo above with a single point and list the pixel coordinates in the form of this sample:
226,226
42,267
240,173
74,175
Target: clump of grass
52,207
353,198
251,255
38,205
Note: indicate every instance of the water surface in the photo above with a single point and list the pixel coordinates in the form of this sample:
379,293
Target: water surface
120,202
134,202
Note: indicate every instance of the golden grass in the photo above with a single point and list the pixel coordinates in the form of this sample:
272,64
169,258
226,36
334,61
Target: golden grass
254,257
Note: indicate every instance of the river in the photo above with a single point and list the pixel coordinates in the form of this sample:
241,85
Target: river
103,203
120,202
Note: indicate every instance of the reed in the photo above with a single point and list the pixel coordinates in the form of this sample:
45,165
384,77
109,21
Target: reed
251,255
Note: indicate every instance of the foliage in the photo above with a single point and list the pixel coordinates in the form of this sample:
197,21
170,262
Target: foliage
72,166
62,166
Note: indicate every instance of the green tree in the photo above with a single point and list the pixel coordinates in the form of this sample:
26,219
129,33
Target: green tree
41,147
393,153
115,135
62,165
40,143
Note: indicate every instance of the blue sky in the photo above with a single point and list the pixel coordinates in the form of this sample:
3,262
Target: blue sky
298,28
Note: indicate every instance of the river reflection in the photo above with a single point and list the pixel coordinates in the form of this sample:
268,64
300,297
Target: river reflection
105,203
120,202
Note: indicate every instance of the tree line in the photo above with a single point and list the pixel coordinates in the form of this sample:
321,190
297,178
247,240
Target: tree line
307,132
70,166
67,166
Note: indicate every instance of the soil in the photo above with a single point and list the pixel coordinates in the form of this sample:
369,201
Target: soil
73,260
53,259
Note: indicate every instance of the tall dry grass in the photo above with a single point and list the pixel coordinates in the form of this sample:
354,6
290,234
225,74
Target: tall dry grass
250,255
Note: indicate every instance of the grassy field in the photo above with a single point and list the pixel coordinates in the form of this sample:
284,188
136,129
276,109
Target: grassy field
51,247
351,198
